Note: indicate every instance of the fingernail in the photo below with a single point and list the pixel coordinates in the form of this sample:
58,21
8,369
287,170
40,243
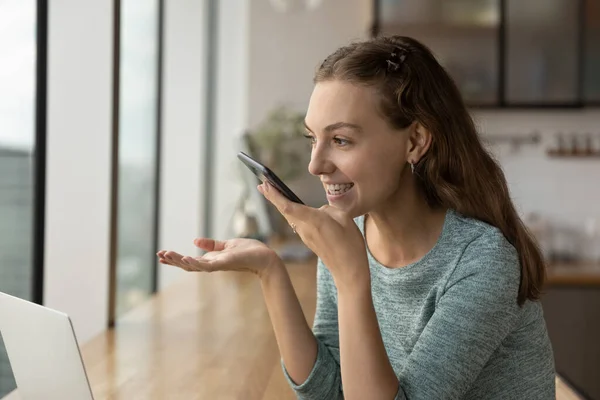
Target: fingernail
260,189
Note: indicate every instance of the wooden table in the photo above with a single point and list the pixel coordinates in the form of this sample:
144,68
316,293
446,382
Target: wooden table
576,274
206,337
564,391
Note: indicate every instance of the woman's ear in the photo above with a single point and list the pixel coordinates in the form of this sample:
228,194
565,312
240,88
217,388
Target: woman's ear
419,142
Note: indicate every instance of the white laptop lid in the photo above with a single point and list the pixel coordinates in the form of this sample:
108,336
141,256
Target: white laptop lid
43,351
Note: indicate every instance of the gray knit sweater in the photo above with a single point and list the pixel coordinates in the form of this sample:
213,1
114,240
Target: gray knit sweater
450,323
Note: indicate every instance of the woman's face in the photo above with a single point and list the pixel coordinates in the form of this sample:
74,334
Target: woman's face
358,157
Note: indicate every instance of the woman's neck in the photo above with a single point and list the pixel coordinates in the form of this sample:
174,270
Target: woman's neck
404,230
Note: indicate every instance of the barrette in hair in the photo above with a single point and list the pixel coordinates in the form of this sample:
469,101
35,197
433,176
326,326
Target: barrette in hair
396,59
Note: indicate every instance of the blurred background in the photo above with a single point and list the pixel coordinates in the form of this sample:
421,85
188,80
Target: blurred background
120,121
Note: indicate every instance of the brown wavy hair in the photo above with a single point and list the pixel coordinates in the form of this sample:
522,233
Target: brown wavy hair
457,171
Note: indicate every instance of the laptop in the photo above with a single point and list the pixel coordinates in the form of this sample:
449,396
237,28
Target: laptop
43,351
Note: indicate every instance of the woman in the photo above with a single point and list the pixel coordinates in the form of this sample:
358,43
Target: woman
428,282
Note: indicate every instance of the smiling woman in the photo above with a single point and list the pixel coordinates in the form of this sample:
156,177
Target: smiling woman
427,281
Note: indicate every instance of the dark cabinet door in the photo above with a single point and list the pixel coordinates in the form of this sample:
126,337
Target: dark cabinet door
591,69
463,35
571,315
542,52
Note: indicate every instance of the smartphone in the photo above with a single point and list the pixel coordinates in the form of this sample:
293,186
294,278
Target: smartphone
265,174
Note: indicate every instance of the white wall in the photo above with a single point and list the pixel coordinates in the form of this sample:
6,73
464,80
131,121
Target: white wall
566,191
183,130
286,48
79,140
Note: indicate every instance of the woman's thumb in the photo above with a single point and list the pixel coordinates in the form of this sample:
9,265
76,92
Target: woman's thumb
209,244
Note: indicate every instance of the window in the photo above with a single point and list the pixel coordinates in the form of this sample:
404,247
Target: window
137,157
18,47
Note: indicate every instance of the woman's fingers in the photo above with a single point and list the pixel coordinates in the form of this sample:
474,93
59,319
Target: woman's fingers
286,207
206,263
173,258
209,244
162,259
293,212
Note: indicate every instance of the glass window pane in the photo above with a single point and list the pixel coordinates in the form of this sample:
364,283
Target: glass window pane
137,152
17,137
463,35
591,86
541,60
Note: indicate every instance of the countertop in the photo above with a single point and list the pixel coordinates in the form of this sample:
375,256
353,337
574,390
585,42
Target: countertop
575,274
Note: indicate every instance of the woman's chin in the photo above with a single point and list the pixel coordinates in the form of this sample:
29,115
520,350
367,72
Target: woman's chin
349,207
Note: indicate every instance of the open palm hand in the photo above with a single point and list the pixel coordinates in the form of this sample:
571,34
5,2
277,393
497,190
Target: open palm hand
247,255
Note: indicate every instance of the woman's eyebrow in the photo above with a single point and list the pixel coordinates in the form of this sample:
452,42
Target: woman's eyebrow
338,125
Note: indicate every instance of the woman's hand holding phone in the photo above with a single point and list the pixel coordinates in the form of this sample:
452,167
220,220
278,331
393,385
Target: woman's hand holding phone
331,234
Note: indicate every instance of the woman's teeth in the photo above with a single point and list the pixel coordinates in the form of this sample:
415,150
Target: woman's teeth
339,189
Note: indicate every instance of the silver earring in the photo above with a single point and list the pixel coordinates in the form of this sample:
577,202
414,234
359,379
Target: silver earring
412,167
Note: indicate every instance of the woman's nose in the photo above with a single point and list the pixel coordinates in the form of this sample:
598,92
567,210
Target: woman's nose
319,163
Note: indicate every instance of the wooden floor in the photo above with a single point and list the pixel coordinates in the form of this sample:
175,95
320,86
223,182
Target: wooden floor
208,337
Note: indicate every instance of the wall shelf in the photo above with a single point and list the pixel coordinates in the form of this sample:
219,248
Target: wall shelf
556,154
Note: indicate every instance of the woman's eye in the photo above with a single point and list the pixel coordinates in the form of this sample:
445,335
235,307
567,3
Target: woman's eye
311,139
341,142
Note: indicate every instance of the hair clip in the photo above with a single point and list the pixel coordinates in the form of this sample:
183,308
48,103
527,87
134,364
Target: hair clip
392,66
396,59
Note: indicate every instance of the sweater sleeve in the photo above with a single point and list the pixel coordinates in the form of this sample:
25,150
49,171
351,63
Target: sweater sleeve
476,311
324,381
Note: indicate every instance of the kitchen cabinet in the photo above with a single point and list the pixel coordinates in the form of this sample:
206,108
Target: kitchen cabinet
462,34
591,81
542,55
507,53
571,314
